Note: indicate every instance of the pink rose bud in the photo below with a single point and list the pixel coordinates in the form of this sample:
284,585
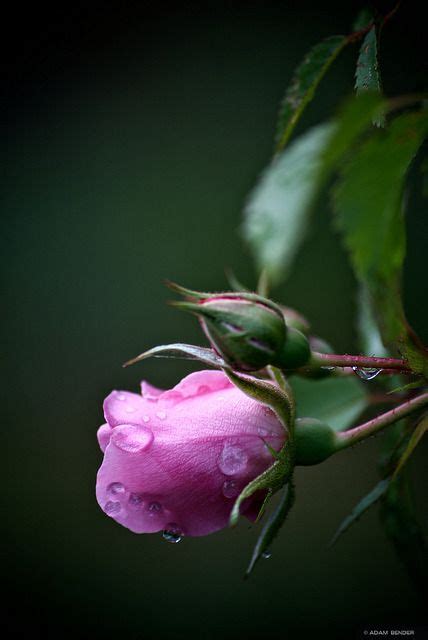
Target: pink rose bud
176,460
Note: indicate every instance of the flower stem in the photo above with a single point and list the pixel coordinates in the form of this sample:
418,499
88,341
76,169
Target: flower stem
346,439
368,362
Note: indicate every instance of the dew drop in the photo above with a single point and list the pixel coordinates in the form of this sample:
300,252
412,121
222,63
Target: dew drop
161,415
366,374
112,508
232,460
116,488
172,533
267,554
262,431
131,438
230,489
154,508
146,419
135,501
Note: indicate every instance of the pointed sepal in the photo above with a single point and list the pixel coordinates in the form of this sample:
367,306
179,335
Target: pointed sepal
184,352
272,525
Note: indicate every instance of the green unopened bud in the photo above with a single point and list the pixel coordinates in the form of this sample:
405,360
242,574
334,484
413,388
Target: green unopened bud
315,441
247,330
295,351
247,334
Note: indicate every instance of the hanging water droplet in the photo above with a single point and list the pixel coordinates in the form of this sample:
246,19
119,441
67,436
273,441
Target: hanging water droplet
232,460
366,374
131,438
112,508
161,415
230,489
172,533
135,501
267,554
116,488
146,419
154,508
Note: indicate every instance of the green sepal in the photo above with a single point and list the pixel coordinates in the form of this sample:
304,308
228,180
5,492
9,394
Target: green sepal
249,296
273,525
296,351
272,479
267,393
280,471
184,352
235,284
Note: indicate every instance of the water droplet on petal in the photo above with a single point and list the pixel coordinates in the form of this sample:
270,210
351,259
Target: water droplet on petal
262,431
230,489
366,374
233,460
266,554
116,488
161,415
154,508
135,501
131,438
112,508
121,396
146,419
172,533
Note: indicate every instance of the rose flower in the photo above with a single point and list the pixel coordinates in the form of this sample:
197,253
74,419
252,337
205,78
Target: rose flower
176,460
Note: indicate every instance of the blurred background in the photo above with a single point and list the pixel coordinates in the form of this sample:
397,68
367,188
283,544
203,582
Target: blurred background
131,137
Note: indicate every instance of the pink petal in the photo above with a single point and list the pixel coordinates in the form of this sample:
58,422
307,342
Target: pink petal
198,383
104,435
149,392
123,407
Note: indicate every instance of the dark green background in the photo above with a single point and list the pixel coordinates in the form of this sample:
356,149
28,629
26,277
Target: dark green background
131,138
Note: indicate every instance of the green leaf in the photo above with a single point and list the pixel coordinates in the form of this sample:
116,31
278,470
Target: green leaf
368,205
278,209
273,525
183,351
336,401
276,216
364,504
414,440
398,517
397,509
367,76
370,340
304,82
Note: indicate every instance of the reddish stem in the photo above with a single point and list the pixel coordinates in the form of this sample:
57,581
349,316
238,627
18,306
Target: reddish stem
363,431
362,362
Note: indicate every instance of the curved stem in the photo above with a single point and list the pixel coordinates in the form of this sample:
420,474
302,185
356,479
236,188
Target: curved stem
353,436
367,362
